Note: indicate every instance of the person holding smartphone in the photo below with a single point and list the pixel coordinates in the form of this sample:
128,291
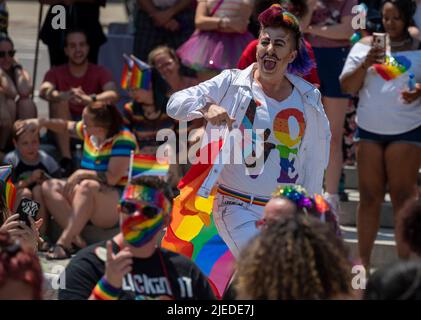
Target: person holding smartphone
389,121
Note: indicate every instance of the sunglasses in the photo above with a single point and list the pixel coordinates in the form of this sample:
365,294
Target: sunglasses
11,53
148,210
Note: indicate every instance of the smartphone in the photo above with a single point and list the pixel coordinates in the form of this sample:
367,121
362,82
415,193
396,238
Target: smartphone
379,41
27,207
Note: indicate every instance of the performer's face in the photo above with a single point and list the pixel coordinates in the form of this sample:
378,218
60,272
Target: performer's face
275,51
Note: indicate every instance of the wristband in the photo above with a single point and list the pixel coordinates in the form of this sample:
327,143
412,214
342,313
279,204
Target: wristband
105,291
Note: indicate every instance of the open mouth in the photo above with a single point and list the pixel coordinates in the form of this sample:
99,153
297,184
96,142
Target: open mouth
269,64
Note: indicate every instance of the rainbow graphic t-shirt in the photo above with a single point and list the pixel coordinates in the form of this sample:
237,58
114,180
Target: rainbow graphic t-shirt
97,157
282,124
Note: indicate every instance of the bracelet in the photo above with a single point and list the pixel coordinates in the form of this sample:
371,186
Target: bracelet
105,291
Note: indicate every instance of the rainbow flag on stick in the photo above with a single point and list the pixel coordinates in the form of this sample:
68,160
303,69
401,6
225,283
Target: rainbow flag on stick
192,231
141,74
127,72
8,191
148,165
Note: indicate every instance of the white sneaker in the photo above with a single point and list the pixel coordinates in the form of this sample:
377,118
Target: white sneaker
334,202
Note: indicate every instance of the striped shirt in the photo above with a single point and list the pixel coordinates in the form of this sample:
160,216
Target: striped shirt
97,157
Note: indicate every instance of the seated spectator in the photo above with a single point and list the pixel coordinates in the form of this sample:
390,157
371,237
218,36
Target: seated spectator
16,90
295,258
115,269
411,227
399,281
160,22
167,63
298,8
20,271
31,167
71,87
92,192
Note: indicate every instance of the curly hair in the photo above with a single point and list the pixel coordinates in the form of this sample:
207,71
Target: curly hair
19,264
412,225
297,257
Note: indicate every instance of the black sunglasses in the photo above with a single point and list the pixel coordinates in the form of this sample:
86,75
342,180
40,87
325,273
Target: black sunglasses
11,53
148,210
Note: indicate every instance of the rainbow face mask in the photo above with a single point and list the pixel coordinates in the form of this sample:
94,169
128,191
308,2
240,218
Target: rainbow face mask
150,206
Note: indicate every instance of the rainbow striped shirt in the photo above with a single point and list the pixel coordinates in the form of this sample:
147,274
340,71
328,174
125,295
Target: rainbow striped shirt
97,158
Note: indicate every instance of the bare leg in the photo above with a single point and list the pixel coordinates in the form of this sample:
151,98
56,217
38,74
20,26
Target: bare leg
372,187
335,109
402,164
60,110
26,108
90,202
42,213
55,202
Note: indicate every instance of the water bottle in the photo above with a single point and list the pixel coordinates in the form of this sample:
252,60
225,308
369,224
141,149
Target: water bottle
411,82
78,155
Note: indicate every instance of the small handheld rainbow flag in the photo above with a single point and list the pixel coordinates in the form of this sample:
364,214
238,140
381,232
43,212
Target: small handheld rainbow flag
127,72
141,74
8,189
147,165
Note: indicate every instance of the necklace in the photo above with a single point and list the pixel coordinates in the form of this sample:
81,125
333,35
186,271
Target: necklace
400,43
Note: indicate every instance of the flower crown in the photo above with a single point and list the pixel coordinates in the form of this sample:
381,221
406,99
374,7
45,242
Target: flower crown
302,200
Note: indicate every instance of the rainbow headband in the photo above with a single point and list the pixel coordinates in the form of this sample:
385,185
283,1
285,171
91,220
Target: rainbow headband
288,18
302,200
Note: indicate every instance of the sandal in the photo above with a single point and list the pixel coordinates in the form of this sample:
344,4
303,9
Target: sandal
44,247
53,254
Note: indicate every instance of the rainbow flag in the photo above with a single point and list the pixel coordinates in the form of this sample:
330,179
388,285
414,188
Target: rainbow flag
148,165
141,74
192,231
393,67
127,72
8,189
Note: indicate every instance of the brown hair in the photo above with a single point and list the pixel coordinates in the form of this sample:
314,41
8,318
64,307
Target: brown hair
17,130
297,257
108,117
171,52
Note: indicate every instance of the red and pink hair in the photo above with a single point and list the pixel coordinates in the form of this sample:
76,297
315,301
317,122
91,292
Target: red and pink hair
19,265
277,17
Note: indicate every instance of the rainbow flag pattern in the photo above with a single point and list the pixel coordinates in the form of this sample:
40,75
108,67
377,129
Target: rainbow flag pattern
393,67
9,190
148,165
127,72
192,231
141,75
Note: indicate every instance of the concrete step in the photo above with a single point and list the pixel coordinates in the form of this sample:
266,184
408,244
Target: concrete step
348,216
351,177
384,251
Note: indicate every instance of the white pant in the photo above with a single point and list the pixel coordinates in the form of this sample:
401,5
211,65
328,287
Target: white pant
236,221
